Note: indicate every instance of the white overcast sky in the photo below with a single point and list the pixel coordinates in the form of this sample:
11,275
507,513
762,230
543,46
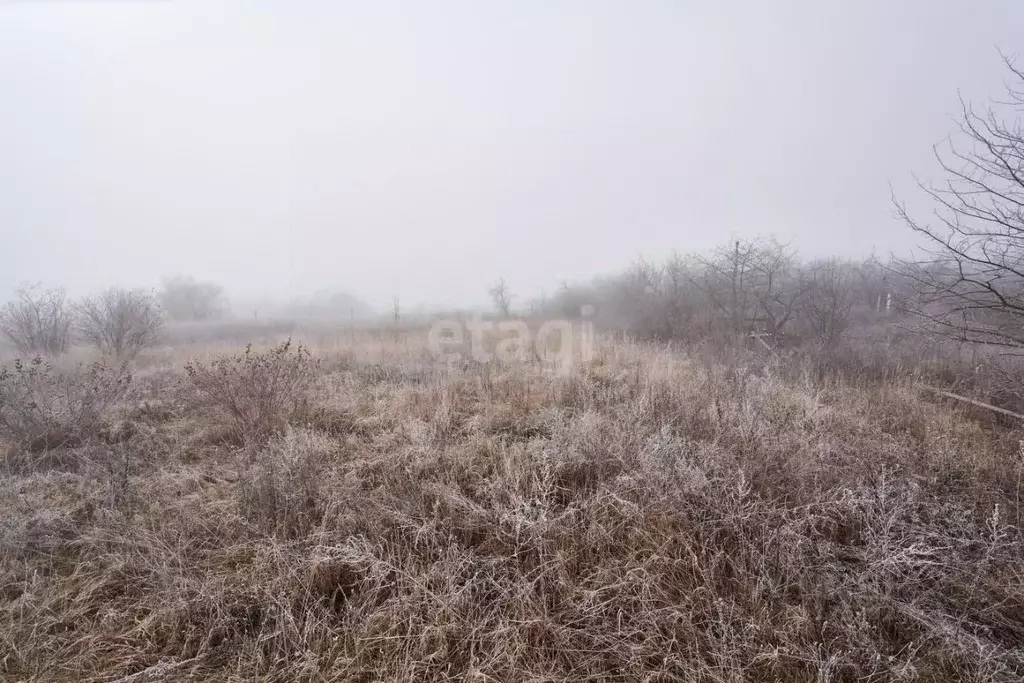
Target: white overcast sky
422,149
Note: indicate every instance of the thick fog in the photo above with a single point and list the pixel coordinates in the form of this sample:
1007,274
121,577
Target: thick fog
422,150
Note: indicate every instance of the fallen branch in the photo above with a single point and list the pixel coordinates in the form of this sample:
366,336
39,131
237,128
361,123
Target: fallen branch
972,401
760,338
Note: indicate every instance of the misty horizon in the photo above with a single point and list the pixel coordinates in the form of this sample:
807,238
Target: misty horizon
389,150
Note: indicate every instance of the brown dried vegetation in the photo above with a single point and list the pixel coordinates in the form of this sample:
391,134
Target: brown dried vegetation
657,515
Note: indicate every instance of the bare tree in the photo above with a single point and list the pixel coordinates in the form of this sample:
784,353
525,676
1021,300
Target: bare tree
969,282
777,289
39,321
502,297
185,298
121,322
677,301
396,310
570,299
829,297
634,300
724,280
752,284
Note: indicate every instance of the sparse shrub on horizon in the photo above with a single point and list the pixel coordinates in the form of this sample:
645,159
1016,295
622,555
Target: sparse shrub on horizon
744,289
38,322
121,322
187,299
254,392
42,407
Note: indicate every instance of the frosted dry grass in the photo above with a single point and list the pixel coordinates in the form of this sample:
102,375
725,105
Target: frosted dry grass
654,516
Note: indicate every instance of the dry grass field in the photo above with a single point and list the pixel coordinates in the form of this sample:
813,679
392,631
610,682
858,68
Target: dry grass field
658,514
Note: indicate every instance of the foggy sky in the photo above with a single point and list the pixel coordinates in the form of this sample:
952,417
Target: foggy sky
424,149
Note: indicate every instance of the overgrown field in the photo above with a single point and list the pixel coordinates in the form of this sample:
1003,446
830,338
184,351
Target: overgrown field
656,515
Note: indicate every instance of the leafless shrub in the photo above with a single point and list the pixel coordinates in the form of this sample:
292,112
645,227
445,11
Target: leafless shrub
187,299
828,299
254,392
38,322
660,301
42,407
121,322
753,284
749,288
